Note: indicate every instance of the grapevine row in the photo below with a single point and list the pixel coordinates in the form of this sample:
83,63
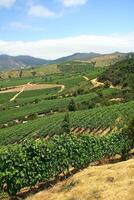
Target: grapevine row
41,161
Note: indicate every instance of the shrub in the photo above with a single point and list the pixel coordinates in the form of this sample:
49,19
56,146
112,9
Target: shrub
72,105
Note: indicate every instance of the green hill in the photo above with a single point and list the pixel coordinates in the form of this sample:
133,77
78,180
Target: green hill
121,73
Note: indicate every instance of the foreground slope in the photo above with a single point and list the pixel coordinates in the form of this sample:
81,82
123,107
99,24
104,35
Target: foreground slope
107,182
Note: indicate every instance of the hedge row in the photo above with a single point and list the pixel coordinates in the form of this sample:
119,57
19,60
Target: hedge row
40,161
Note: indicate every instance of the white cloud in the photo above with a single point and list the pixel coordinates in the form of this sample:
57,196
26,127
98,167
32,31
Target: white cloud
69,3
55,48
19,25
7,3
40,11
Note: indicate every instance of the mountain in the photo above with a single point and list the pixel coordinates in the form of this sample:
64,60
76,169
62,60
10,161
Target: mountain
78,56
108,59
8,62
31,61
16,62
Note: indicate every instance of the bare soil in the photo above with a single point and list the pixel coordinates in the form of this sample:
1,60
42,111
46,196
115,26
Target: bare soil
96,83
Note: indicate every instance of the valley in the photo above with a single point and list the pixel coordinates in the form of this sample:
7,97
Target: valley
66,100
66,116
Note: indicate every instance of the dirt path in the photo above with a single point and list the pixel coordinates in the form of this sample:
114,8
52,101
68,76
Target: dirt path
22,90
96,83
30,86
106,182
117,99
62,88
12,99
86,78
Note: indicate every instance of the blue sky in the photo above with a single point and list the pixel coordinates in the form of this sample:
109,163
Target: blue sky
60,27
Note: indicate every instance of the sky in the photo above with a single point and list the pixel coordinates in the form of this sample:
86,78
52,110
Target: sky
54,28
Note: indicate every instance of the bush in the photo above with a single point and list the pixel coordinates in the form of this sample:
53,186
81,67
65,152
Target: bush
72,105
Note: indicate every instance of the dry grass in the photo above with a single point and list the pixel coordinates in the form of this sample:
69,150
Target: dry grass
107,60
107,182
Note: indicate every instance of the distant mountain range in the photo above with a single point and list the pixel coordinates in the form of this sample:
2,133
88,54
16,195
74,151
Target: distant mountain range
78,56
16,62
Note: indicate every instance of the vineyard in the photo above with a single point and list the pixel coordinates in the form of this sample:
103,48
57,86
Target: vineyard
97,118
41,107
45,133
75,67
42,161
26,97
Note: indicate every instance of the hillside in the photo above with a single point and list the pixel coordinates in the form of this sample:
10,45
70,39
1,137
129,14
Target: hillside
99,60
58,117
16,62
78,56
121,73
23,61
43,70
107,182
77,63
108,59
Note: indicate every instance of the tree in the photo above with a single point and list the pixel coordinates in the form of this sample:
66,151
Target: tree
9,76
72,105
46,79
20,73
33,73
66,124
